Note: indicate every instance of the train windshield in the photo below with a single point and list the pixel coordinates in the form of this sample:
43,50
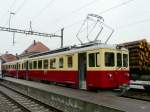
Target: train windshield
119,60
109,59
125,60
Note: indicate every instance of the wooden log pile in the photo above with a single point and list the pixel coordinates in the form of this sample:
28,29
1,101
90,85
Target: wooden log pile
139,56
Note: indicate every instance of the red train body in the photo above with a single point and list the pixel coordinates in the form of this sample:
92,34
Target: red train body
97,66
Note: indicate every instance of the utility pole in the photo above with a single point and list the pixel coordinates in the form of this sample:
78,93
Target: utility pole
29,32
62,33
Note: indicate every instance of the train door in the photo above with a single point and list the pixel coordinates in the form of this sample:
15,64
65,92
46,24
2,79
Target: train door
82,68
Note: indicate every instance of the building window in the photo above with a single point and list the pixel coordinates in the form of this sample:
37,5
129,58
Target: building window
34,64
125,60
53,63
119,60
61,62
40,64
70,61
45,63
109,59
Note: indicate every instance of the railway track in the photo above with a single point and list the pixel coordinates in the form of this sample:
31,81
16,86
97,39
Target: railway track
139,94
18,102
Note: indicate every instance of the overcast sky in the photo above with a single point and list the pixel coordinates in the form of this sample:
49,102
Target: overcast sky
129,18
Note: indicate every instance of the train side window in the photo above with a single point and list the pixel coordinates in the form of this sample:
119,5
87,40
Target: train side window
30,65
61,62
45,63
22,66
91,60
53,63
94,59
18,66
97,59
125,60
34,64
119,60
70,61
39,64
109,59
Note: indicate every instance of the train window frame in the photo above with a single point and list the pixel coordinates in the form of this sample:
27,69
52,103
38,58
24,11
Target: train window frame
91,59
34,64
30,65
95,62
19,66
40,64
70,63
45,66
61,62
22,66
125,64
120,59
108,64
52,63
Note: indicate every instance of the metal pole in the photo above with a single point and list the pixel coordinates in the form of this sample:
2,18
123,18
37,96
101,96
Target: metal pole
11,13
62,33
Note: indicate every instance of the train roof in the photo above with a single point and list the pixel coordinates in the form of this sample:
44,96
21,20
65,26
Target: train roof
71,50
79,48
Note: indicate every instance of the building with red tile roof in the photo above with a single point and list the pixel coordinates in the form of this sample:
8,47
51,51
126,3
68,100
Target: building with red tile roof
34,48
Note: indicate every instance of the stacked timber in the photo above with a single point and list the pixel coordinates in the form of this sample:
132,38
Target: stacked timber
139,56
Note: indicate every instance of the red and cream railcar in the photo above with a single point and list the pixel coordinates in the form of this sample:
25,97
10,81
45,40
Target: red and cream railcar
85,67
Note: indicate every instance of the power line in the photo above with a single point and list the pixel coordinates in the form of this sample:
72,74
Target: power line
9,9
42,10
133,24
18,9
75,11
21,6
116,6
107,10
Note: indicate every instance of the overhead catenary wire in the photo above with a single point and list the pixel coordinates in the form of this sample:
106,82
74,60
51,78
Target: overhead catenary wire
133,24
102,12
74,11
18,9
8,10
21,6
42,10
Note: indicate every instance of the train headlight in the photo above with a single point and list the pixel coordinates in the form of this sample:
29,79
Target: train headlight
110,75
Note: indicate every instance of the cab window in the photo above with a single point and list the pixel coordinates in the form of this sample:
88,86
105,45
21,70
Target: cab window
94,59
109,59
119,60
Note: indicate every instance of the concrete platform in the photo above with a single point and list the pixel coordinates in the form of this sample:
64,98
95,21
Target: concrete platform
72,100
